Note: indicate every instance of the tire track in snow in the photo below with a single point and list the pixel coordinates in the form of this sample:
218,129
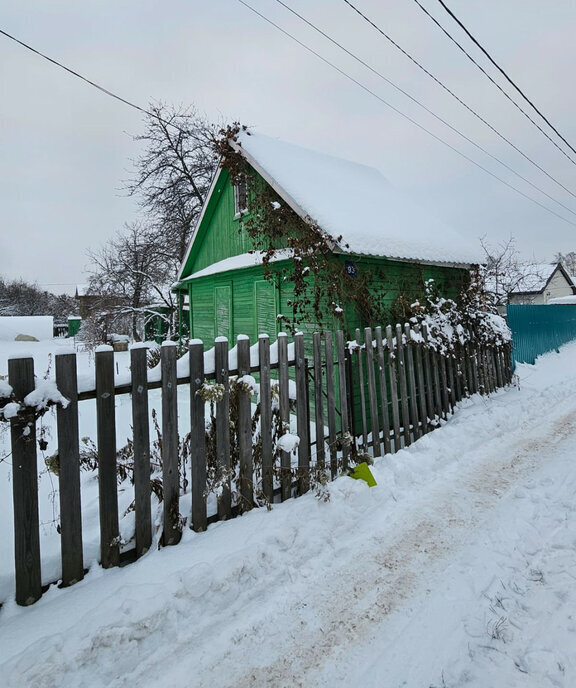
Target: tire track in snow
348,616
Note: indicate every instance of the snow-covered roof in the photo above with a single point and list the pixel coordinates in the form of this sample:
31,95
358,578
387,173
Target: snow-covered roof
562,300
357,203
244,260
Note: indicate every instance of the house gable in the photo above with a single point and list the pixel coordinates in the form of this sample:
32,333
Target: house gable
219,234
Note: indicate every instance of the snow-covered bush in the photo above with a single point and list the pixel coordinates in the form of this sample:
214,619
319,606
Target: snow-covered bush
473,318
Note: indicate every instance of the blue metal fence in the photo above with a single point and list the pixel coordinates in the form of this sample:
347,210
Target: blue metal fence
538,329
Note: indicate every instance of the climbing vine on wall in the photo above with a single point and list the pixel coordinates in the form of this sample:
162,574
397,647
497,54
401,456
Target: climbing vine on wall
321,283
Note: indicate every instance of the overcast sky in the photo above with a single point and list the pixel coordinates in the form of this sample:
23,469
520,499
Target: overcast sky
65,148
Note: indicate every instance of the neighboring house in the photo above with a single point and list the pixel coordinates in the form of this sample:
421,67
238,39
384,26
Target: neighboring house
86,300
541,283
381,232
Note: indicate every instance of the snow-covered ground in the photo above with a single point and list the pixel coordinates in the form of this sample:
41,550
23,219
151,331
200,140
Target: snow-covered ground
457,569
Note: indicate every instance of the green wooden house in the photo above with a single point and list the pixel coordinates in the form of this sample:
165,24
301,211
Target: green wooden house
373,228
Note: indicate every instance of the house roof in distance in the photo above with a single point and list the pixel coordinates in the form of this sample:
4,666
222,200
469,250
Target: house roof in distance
537,276
356,202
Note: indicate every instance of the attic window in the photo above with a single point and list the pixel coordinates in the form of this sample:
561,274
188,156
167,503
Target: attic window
240,197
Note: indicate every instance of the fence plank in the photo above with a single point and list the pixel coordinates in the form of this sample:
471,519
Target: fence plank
429,377
374,420
403,386
331,404
170,441
69,474
223,428
393,388
302,417
25,486
284,401
343,390
106,435
197,437
474,357
360,352
409,357
417,345
383,390
445,388
318,401
141,434
266,418
451,381
244,429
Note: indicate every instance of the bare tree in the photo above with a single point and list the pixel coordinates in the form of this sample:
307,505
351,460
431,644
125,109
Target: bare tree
568,260
504,272
127,274
174,173
18,297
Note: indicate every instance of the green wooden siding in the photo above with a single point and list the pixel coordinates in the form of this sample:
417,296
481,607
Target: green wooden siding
265,306
223,309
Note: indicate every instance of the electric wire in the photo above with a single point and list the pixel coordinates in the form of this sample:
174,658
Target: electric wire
402,114
426,108
448,90
505,75
310,50
518,107
90,82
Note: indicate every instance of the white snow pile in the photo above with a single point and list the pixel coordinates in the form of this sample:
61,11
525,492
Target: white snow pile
457,569
38,326
357,203
562,300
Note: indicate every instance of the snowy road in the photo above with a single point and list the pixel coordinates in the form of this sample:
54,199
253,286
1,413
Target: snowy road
458,569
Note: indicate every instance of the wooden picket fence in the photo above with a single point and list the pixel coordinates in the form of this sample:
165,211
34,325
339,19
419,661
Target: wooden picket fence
376,394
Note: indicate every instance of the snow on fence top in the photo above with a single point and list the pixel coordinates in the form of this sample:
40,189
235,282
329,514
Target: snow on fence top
356,202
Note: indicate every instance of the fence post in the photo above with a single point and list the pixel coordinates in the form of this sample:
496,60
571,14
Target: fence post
170,469
197,436
429,378
412,382
244,429
383,390
393,388
451,384
284,403
420,380
302,417
318,401
342,382
362,392
106,435
403,386
374,420
69,473
223,427
331,403
266,418
25,486
444,377
141,433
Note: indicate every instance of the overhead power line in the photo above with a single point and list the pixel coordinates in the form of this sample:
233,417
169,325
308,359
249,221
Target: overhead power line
399,112
504,74
429,110
456,97
89,81
518,107
362,86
